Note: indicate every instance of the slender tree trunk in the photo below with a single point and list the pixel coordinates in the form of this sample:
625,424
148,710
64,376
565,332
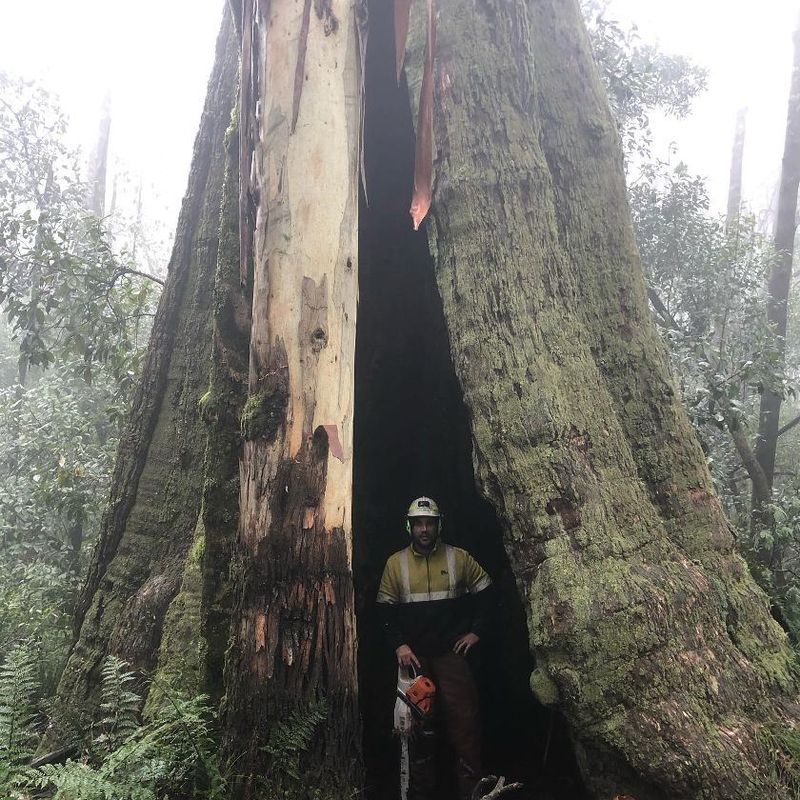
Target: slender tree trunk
98,163
648,631
779,283
735,182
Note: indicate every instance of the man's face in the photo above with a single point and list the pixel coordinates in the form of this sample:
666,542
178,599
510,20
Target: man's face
424,532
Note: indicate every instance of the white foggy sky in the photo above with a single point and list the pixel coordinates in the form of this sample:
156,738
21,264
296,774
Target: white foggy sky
155,57
747,48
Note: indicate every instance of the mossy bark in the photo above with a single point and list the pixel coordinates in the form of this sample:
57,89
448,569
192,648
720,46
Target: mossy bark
148,528
648,631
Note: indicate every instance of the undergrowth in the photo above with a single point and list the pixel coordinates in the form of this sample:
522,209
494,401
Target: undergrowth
170,754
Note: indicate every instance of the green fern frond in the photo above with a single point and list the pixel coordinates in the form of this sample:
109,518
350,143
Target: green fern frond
289,739
76,780
120,704
19,686
783,748
175,749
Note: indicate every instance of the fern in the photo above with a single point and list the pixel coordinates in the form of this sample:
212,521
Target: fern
120,704
19,686
289,739
142,761
783,747
76,780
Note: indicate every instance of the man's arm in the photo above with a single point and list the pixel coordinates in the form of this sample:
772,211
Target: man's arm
387,603
478,584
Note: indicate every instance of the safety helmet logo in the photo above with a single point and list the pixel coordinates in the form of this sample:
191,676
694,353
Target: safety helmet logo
423,507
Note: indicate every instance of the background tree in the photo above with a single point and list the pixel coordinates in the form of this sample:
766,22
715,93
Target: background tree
778,287
640,78
76,321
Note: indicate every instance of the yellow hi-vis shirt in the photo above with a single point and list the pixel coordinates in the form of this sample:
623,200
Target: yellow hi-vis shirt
425,599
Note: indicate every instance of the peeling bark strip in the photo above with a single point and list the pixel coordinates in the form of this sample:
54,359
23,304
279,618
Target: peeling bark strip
423,155
362,34
300,69
293,638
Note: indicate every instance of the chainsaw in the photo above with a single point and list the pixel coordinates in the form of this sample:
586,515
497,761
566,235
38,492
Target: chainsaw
414,703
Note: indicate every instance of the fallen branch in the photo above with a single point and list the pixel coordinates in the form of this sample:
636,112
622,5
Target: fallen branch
662,310
789,425
56,757
492,787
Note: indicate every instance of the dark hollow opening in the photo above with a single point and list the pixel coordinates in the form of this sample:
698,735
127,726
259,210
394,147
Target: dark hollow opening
412,438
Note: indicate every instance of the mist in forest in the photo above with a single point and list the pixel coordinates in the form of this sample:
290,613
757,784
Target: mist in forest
100,106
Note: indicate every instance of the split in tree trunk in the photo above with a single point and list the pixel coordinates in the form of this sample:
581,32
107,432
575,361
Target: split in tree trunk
648,633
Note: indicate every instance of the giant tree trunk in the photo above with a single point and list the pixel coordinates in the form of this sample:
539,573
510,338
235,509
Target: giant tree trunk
293,640
648,632
148,527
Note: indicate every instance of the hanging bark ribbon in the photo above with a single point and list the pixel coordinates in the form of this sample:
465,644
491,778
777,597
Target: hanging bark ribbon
423,156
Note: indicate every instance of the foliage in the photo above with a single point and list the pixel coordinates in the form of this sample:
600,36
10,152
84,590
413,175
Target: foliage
56,456
710,296
33,608
77,319
783,749
174,749
289,739
639,77
19,688
66,294
130,760
120,704
774,553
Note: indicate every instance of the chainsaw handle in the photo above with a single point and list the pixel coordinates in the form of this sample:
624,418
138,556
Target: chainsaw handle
409,673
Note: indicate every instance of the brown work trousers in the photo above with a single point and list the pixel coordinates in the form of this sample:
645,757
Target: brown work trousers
457,707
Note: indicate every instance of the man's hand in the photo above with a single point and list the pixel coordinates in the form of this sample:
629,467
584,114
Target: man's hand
463,644
406,657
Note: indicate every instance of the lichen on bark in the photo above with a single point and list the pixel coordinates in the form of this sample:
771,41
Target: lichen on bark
642,618
149,527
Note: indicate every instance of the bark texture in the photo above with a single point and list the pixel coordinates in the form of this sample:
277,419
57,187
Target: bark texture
648,631
292,655
148,528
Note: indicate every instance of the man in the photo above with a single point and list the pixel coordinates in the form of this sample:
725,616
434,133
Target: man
434,606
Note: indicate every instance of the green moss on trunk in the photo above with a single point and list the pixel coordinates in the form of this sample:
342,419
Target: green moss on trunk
647,628
138,568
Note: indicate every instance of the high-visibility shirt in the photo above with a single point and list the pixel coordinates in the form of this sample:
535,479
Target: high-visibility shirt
429,601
